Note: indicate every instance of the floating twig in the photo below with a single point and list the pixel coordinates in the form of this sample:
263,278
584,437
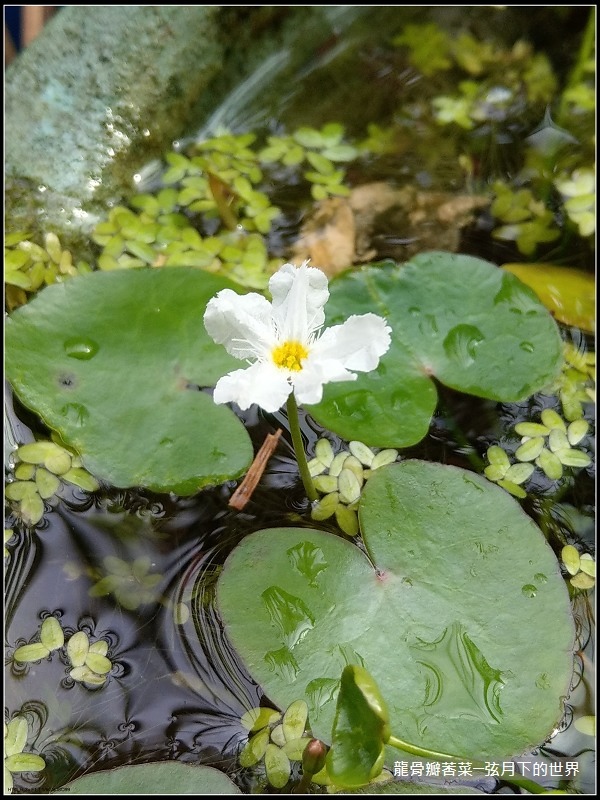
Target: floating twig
244,491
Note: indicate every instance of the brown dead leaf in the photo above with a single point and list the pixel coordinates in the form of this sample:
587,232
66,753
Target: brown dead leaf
327,238
380,221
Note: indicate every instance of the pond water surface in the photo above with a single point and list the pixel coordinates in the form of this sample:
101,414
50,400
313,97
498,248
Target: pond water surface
178,689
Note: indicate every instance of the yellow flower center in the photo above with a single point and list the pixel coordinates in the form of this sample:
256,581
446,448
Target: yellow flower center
290,355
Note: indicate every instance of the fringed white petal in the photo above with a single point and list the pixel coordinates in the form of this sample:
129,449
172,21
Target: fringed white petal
315,373
262,383
251,328
299,294
356,344
242,323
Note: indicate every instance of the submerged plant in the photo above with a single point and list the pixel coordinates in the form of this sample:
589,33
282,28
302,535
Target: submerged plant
292,359
132,584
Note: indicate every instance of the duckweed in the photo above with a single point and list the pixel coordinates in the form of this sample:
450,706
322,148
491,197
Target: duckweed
549,444
28,265
277,738
41,469
340,478
581,568
15,759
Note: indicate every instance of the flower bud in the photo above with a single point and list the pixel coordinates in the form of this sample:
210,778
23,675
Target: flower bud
313,757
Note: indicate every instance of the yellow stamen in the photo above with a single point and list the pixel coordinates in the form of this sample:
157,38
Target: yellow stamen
290,355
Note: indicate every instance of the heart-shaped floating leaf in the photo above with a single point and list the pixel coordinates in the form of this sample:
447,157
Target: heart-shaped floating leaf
464,321
462,616
163,778
114,361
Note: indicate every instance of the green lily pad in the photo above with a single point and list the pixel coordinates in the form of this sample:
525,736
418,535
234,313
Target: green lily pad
465,322
163,778
114,361
459,613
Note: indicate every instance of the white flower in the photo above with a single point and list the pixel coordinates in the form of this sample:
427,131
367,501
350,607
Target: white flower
283,342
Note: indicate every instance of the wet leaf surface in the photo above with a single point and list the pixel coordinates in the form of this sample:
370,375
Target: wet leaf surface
115,362
458,319
458,618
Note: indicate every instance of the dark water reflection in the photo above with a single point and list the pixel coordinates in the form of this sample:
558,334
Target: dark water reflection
177,689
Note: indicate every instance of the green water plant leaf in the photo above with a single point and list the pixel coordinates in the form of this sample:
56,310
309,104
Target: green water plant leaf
360,730
458,611
161,778
116,363
455,318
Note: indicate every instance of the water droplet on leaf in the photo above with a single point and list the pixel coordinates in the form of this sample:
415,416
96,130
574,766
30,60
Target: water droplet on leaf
529,590
82,349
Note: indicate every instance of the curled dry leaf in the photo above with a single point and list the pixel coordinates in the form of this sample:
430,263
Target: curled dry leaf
328,236
380,221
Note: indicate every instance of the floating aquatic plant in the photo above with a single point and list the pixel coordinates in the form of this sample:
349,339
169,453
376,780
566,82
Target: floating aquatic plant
576,386
277,739
15,758
51,638
362,731
579,199
217,181
323,149
65,365
193,221
548,444
29,266
581,567
8,536
41,469
340,478
88,660
89,663
526,220
434,537
510,71
497,84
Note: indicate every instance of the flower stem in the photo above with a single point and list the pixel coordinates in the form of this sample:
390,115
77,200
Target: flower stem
292,412
223,196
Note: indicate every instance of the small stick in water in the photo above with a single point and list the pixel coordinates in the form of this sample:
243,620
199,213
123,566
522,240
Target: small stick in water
244,491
